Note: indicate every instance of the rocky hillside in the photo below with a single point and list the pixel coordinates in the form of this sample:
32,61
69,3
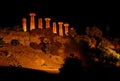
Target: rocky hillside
43,50
37,49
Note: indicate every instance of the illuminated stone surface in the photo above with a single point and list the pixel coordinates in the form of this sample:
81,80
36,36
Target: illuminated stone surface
54,28
60,28
32,21
24,24
47,22
66,25
40,24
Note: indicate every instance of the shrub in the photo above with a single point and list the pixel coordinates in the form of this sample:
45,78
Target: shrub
15,42
2,43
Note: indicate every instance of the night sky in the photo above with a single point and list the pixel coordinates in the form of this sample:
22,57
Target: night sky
79,14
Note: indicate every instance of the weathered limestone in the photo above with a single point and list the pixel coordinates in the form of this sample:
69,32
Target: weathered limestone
47,22
60,31
24,24
32,21
66,25
60,28
40,24
54,27
22,37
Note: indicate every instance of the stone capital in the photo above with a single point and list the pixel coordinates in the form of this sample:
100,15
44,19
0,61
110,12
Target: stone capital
32,14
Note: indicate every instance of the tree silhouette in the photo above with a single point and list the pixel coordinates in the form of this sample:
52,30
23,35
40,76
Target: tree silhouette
72,69
94,32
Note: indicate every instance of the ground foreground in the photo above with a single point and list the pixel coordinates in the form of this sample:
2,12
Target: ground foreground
94,74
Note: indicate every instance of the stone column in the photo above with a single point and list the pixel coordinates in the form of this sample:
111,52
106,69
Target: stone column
54,27
32,21
40,24
47,22
66,25
24,24
60,28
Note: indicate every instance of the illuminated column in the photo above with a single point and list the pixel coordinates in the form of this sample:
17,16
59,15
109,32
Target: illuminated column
60,28
47,22
32,21
66,25
40,24
24,25
54,27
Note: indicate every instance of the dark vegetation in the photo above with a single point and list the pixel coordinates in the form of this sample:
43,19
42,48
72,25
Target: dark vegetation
72,70
100,56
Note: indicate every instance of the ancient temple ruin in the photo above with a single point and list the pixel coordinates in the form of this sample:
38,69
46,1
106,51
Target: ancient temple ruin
63,28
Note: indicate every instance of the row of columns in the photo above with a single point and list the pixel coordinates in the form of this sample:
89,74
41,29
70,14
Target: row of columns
40,25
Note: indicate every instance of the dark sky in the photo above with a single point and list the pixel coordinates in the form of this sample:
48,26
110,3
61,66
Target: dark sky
79,14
